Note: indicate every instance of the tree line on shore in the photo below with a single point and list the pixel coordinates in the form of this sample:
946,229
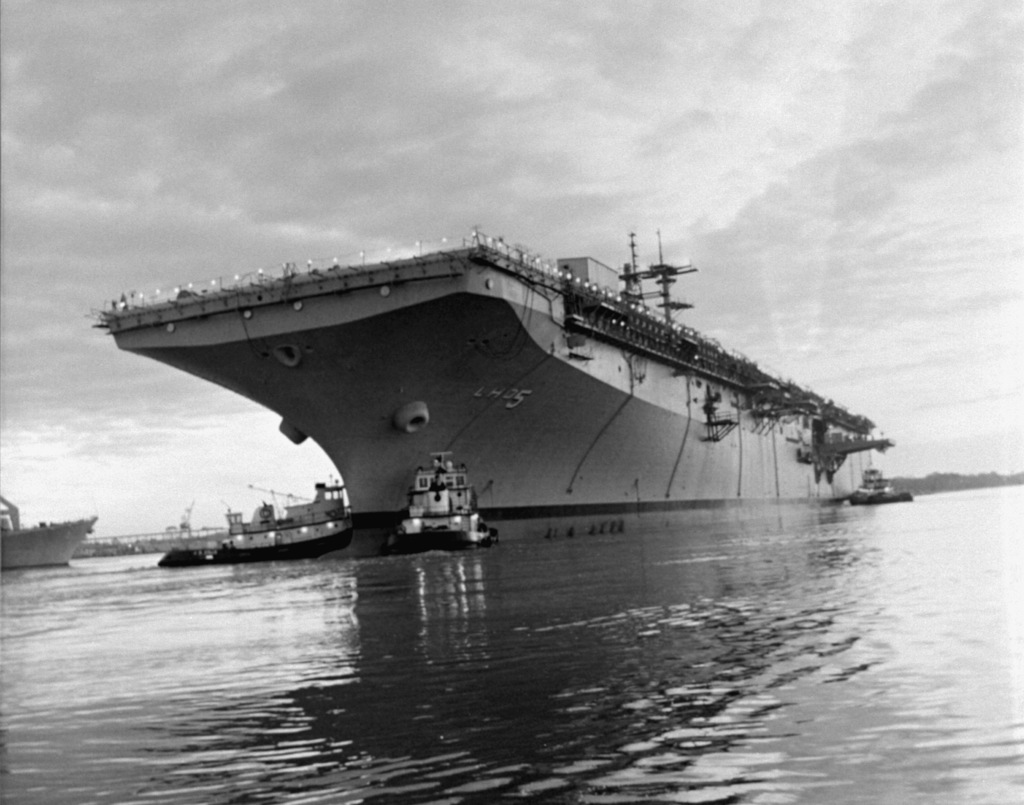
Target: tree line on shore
954,482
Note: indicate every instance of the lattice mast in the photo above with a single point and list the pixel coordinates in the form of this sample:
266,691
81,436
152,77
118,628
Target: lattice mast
663,274
633,289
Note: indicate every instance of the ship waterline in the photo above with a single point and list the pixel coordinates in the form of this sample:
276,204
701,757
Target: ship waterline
575,409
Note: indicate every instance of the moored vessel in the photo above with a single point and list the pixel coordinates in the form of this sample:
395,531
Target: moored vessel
580,407
43,545
305,530
442,512
876,488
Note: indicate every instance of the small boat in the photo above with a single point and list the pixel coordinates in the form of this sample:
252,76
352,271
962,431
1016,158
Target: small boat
875,488
442,512
43,545
305,531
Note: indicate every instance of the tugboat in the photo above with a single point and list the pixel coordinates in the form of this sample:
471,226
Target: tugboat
442,512
307,530
875,488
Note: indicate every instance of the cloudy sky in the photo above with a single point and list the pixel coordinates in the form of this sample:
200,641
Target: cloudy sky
847,176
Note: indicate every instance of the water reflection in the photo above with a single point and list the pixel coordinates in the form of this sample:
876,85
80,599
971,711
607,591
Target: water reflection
146,685
732,666
638,700
452,605
701,719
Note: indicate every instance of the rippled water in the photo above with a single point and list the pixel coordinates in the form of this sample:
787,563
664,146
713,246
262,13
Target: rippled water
873,655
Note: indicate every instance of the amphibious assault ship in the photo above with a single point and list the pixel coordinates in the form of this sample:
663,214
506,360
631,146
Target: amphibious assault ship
581,407
43,545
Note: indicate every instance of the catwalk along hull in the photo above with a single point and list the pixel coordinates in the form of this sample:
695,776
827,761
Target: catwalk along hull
44,545
570,425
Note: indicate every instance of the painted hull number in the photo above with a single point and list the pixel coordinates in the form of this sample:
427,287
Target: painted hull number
512,397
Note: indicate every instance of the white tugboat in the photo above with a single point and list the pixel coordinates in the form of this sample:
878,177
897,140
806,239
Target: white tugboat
442,512
876,488
306,531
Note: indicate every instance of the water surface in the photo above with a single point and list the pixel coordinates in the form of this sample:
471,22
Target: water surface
870,655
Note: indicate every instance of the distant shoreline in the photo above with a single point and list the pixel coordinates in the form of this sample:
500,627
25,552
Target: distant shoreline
159,542
162,542
955,482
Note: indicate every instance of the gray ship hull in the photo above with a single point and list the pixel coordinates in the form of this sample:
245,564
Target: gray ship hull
565,434
43,546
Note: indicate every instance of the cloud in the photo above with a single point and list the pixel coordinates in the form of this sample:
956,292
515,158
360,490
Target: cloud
894,253
138,479
848,179
850,218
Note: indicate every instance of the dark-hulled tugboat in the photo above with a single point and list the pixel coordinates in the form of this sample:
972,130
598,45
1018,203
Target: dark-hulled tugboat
442,512
875,488
307,530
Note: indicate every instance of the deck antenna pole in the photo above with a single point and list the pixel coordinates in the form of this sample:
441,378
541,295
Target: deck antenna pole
664,276
632,289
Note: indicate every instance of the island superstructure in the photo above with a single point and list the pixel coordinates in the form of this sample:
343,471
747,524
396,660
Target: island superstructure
581,408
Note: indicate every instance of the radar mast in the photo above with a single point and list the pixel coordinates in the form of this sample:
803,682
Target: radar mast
663,274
